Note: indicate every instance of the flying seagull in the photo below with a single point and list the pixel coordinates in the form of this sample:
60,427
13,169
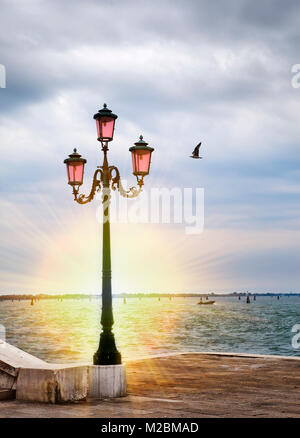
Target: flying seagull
195,153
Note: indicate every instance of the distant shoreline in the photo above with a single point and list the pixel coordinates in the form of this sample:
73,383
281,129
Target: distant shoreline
12,297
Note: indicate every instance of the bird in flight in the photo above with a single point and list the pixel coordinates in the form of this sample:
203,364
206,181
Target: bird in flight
195,153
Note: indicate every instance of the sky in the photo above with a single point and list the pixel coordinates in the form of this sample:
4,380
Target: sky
178,72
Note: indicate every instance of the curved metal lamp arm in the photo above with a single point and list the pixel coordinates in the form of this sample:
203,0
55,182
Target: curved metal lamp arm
133,192
82,199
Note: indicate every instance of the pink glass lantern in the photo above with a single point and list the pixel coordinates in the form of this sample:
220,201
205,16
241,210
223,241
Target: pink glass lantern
141,157
75,168
105,122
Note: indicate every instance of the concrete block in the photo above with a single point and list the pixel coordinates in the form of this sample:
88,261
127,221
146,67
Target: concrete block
13,357
52,385
35,384
38,381
71,384
106,381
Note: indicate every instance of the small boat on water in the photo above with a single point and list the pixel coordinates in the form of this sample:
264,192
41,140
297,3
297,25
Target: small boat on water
206,302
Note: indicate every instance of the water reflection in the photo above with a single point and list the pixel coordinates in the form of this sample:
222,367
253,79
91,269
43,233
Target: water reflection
68,330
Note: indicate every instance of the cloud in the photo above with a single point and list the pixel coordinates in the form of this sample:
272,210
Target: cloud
177,74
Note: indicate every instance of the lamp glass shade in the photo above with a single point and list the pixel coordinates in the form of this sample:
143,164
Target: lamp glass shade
75,168
105,122
141,161
75,173
105,128
141,157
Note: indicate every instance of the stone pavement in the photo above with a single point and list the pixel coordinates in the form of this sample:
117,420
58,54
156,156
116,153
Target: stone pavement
190,385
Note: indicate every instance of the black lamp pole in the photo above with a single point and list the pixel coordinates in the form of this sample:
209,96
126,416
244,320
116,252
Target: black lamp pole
106,177
107,353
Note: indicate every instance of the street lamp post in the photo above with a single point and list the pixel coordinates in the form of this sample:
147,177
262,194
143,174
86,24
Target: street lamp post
106,178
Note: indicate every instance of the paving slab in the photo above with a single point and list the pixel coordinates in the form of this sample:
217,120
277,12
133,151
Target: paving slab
190,385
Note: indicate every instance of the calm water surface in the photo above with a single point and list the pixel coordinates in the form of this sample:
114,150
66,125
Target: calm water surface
68,331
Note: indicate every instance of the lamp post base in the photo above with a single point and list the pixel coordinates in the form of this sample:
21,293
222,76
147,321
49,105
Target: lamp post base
107,381
107,353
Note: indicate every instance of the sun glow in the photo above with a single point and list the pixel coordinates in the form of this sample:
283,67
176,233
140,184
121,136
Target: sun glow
57,249
143,260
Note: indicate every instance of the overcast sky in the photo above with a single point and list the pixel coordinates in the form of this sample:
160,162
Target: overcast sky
177,72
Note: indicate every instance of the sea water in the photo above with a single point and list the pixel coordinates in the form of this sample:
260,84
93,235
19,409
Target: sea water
68,330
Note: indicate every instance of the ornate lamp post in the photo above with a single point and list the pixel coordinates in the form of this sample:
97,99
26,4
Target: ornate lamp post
106,178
